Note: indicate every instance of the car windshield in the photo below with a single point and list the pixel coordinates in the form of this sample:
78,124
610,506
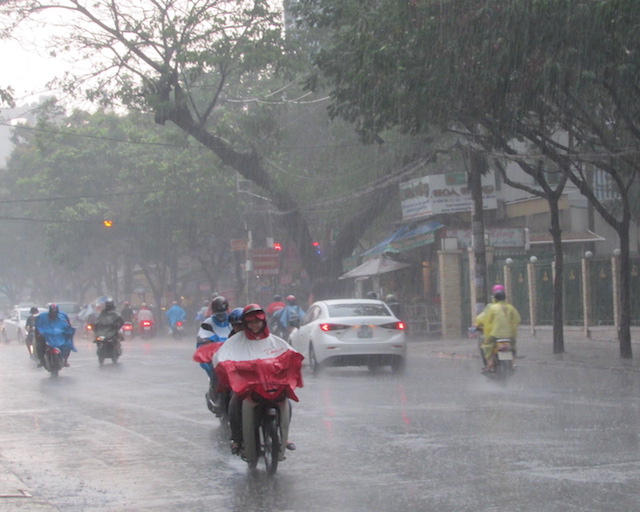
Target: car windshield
338,310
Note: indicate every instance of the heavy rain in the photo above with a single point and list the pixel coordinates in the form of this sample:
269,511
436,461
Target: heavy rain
423,215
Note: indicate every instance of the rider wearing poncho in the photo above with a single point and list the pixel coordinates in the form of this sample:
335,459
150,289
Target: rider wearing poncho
254,363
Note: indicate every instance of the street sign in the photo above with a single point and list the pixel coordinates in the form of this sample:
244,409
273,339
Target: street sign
239,244
266,262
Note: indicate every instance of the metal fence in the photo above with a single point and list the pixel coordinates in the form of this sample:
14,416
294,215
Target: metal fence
600,280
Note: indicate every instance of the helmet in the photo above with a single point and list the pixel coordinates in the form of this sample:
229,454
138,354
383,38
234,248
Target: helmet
53,310
498,292
235,317
109,305
219,304
390,298
33,310
220,308
291,299
371,295
253,310
277,298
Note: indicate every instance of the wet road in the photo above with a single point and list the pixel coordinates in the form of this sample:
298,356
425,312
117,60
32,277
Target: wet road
137,436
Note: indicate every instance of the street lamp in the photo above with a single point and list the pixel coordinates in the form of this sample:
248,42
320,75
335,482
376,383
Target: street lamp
509,261
588,255
533,259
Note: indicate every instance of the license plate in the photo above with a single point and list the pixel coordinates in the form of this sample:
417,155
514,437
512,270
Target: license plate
147,328
364,331
505,356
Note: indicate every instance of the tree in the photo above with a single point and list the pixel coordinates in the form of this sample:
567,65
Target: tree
73,172
559,75
191,64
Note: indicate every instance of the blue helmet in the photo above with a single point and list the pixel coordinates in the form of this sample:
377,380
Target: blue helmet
235,317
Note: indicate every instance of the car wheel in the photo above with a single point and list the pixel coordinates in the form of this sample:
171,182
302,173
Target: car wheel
313,361
399,366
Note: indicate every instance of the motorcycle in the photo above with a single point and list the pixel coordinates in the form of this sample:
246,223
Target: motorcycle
3,331
54,360
128,331
265,430
31,342
177,330
502,356
108,348
503,359
88,331
146,329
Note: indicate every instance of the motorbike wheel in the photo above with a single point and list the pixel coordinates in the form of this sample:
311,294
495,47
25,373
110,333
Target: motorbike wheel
53,364
503,370
270,443
100,356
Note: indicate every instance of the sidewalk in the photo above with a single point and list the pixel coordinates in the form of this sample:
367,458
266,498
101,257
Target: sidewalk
602,350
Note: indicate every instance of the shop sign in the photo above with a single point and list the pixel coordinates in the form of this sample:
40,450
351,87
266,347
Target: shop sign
497,237
443,193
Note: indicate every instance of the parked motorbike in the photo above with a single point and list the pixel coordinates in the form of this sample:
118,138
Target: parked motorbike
108,348
264,430
146,329
128,331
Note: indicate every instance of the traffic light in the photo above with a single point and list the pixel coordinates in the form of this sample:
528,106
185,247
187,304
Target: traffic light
277,246
317,247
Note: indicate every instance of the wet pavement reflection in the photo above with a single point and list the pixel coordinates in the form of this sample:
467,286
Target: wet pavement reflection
138,436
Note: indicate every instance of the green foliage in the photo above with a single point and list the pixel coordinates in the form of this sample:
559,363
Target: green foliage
162,194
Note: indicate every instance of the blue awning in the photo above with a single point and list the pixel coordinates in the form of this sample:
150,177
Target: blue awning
406,237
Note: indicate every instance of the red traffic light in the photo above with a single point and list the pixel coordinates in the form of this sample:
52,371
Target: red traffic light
277,246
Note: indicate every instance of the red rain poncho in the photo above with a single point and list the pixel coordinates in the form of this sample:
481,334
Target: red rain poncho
266,366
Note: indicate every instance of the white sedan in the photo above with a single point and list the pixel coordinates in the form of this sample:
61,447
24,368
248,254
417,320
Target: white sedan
14,324
351,332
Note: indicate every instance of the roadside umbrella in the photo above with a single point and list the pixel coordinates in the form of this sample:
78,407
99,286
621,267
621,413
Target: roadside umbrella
375,267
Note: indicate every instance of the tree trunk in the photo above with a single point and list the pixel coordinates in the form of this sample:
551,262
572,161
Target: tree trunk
558,306
474,177
624,333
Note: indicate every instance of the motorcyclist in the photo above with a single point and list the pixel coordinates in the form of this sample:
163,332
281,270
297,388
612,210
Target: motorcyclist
276,305
109,322
127,312
499,320
213,332
235,319
30,328
250,358
290,316
174,315
394,306
54,326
